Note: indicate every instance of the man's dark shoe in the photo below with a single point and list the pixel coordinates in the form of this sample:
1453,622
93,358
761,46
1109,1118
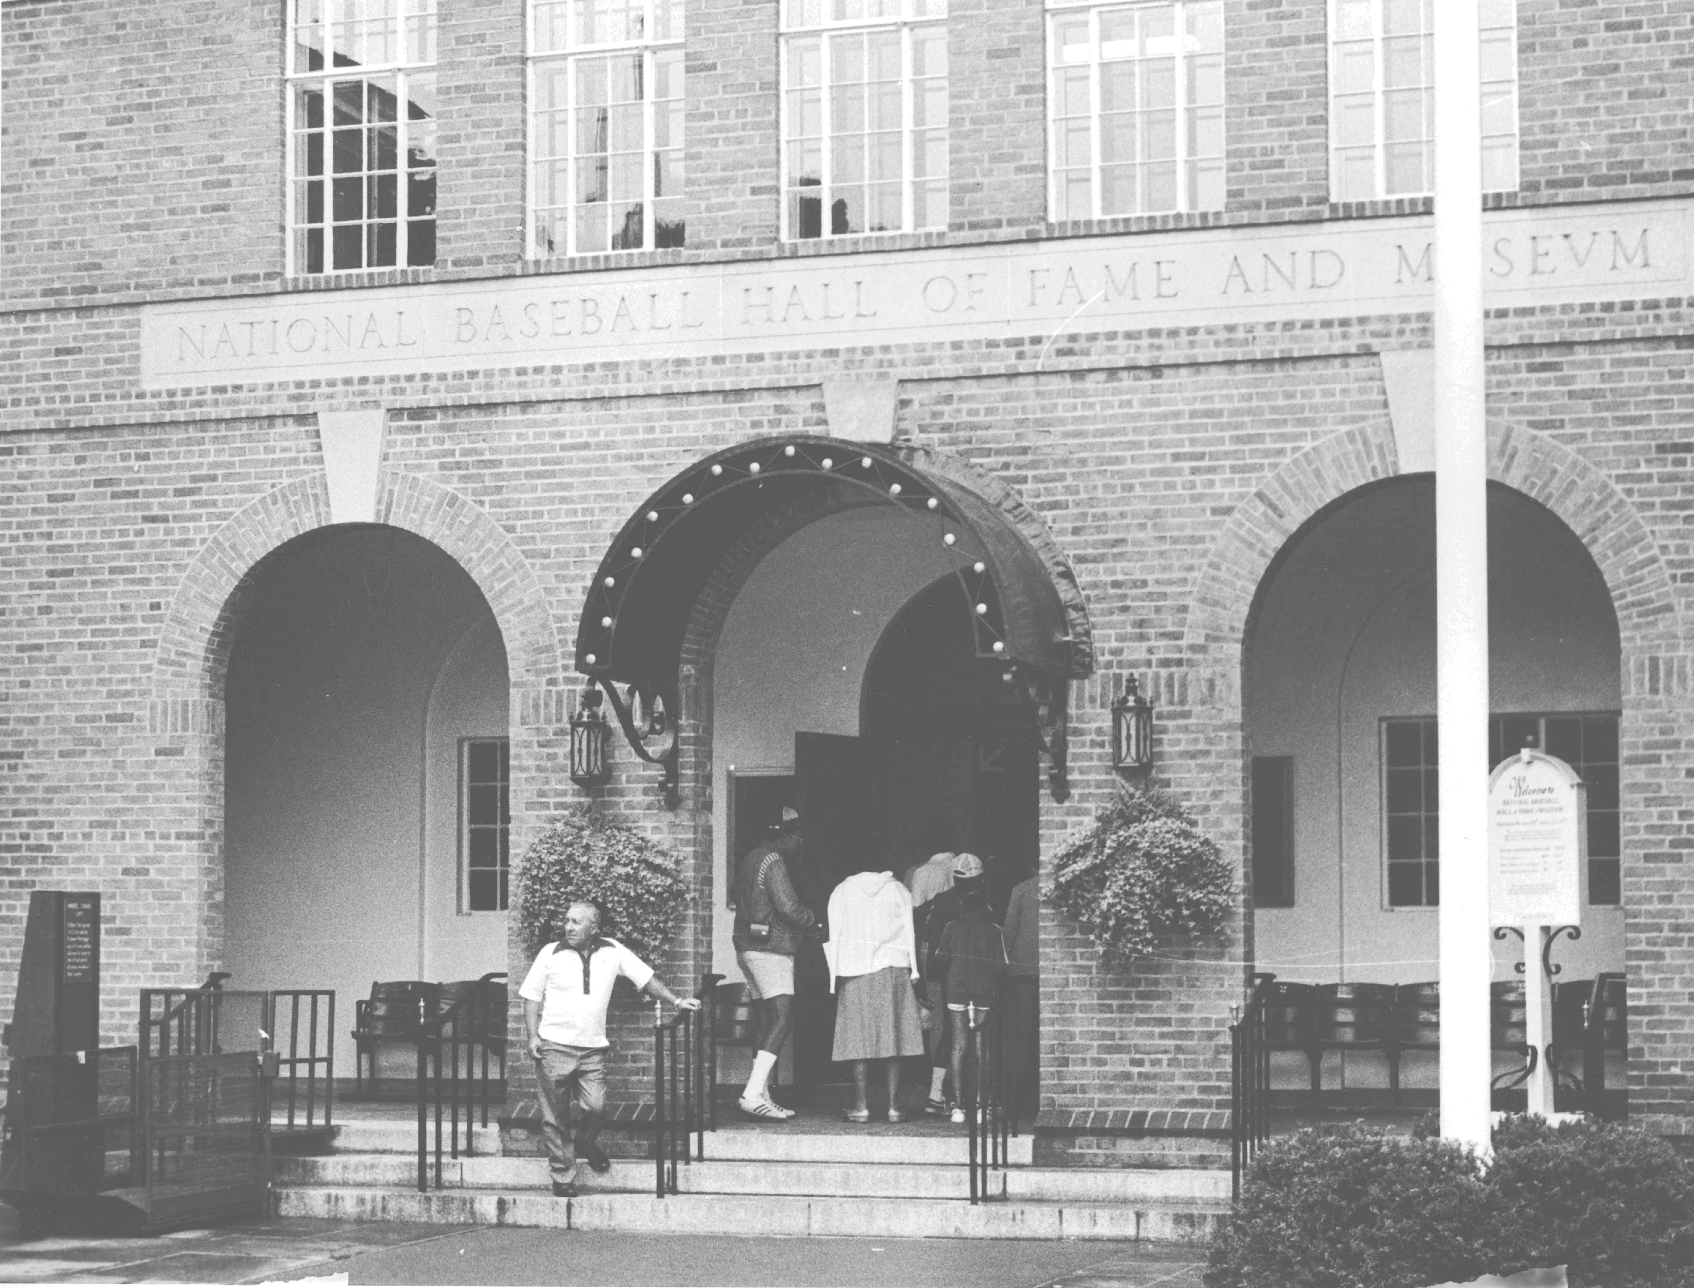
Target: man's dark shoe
595,1157
564,1190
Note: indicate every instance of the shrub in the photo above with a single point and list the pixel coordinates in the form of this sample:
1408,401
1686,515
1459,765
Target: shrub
1613,1203
1350,1208
1347,1208
1143,870
637,883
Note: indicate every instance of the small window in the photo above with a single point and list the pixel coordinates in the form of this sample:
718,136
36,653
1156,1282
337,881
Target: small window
1411,803
1382,98
864,117
1273,831
485,822
606,118
361,134
1135,105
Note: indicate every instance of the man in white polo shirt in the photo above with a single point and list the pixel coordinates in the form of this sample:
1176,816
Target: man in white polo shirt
565,995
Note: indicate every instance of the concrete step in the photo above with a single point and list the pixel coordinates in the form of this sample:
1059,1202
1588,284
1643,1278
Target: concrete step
751,1144
856,1180
763,1214
398,1136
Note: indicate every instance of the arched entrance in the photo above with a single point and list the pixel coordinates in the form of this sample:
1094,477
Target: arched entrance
854,630
1339,708
367,770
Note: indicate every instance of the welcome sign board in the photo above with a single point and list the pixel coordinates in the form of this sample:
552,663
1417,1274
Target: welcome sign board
1537,841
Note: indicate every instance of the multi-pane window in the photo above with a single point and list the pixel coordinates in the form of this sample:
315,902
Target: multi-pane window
1411,810
1589,745
1382,98
1135,97
1411,802
361,127
864,117
485,822
606,125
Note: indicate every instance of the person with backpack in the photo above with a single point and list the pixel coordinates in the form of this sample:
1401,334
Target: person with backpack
769,920
970,963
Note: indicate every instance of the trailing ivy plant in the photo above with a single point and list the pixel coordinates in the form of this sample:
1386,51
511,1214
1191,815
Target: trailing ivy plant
637,882
1143,871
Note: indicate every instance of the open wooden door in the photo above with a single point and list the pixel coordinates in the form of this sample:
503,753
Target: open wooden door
832,775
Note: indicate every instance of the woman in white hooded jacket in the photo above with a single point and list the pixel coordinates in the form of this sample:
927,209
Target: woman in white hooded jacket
872,956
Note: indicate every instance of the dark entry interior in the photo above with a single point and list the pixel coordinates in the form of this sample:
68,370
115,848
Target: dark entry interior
947,760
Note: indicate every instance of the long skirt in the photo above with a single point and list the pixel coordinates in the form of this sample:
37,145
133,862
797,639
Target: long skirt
876,1016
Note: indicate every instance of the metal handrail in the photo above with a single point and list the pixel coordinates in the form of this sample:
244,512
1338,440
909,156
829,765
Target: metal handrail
289,1065
456,1032
681,1092
1249,1118
984,1097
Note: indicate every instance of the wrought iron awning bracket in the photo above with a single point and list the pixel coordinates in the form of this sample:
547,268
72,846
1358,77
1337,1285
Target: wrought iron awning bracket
657,742
1050,697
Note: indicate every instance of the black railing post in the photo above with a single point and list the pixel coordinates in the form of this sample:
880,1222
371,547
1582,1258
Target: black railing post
423,1100
658,1100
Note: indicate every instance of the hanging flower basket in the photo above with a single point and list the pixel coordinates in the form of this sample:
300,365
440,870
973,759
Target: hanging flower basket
1142,873
637,882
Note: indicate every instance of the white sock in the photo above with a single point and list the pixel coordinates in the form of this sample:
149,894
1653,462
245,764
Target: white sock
763,1063
937,1077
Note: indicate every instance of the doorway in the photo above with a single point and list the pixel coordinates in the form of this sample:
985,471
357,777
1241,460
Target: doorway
946,760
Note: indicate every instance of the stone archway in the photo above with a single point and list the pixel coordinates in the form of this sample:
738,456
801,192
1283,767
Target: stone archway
185,704
1656,680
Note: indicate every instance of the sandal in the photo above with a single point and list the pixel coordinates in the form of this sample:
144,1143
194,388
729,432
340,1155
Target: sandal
856,1115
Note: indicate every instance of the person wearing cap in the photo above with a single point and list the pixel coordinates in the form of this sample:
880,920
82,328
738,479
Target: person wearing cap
964,875
769,919
925,881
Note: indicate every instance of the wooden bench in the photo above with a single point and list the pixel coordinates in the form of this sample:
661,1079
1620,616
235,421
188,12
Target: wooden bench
393,1014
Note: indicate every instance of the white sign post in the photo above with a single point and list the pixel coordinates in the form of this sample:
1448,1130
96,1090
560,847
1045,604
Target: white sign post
1537,852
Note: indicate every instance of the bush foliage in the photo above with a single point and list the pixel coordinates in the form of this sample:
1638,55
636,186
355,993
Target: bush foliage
1144,870
1348,1208
637,883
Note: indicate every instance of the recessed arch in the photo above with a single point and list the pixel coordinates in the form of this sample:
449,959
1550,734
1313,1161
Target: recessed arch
192,655
1582,497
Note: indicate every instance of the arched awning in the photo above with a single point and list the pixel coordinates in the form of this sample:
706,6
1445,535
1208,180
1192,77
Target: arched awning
638,606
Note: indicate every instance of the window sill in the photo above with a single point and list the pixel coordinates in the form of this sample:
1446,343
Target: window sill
362,278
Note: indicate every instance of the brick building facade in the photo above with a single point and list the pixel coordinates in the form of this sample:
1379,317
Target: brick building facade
1161,400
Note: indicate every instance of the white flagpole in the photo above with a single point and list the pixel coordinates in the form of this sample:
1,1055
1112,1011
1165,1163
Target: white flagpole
1461,568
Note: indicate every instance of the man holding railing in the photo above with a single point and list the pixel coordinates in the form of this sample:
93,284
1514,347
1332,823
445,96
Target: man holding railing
566,994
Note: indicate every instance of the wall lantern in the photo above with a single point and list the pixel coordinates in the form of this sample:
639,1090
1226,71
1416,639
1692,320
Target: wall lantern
1132,730
589,734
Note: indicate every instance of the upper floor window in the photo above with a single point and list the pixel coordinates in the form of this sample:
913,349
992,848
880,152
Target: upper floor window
1382,99
485,824
1411,796
864,117
605,125
361,132
1135,100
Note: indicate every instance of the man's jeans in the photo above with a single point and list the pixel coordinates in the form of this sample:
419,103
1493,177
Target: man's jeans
564,1074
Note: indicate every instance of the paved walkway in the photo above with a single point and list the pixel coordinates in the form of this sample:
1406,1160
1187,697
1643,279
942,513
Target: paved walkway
375,1253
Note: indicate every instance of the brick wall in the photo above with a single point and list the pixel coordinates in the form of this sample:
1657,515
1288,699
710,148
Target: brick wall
142,148
1167,467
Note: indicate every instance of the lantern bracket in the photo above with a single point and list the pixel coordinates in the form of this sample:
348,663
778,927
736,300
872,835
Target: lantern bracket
1049,697
647,723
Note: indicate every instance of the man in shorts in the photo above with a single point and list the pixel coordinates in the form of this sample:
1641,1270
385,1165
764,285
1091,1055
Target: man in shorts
565,996
769,919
